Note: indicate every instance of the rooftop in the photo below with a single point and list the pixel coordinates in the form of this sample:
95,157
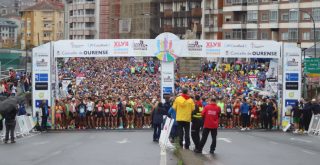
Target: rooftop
46,5
7,22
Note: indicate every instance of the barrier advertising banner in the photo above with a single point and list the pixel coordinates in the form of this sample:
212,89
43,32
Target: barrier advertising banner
41,82
291,80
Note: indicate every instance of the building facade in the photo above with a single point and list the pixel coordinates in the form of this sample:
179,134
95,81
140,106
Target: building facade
279,20
42,23
82,19
8,33
139,19
178,16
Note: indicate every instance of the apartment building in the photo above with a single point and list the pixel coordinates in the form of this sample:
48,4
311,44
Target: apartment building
178,16
212,19
279,20
8,33
42,23
82,19
139,19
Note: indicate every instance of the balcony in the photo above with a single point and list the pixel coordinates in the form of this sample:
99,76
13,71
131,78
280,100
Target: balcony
199,28
211,28
196,12
167,28
47,29
181,14
167,13
211,11
234,25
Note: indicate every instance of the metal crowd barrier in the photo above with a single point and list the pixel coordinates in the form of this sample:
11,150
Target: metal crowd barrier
24,126
314,128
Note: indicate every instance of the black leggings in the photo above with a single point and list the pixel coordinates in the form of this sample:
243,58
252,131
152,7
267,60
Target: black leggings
245,120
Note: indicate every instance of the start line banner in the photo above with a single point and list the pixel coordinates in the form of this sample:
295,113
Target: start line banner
180,48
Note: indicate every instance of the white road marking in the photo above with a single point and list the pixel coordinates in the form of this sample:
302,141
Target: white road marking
301,140
123,141
273,142
225,140
308,152
41,143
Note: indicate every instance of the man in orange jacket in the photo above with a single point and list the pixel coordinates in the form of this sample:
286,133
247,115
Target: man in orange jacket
184,105
210,114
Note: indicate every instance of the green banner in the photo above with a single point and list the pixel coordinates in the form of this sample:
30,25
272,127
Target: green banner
312,65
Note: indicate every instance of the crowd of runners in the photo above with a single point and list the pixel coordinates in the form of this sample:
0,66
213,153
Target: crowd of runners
119,93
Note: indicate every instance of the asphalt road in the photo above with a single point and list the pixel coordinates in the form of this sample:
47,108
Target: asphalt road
83,148
136,147
263,148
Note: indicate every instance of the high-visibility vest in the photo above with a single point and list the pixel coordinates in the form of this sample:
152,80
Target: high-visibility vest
198,114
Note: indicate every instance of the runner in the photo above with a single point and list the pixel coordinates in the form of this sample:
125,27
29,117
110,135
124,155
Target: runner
114,113
107,108
147,113
139,114
99,114
90,113
82,110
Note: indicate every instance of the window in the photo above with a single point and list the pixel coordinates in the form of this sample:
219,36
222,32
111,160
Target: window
252,1
293,1
264,35
305,16
273,16
252,34
227,18
316,14
227,35
285,17
317,34
284,36
293,34
293,16
306,36
264,17
252,16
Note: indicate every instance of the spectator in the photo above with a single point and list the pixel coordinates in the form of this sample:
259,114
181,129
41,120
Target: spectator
296,114
307,115
45,114
184,106
157,119
10,122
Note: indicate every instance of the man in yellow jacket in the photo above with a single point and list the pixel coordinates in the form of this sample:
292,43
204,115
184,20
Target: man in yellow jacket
184,105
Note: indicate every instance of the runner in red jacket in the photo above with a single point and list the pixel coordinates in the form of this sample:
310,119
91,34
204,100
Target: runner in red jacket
210,115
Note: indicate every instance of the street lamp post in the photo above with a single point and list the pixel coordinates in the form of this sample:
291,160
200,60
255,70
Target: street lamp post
314,30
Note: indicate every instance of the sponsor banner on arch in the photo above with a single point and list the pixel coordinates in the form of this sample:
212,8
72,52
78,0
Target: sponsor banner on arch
155,47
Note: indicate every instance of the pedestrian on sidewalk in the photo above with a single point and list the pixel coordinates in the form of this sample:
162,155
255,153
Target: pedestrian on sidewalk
210,115
184,106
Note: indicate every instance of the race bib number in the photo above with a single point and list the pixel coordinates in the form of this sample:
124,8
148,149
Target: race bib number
99,109
81,110
113,110
252,116
229,110
128,109
106,110
139,110
147,110
237,110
